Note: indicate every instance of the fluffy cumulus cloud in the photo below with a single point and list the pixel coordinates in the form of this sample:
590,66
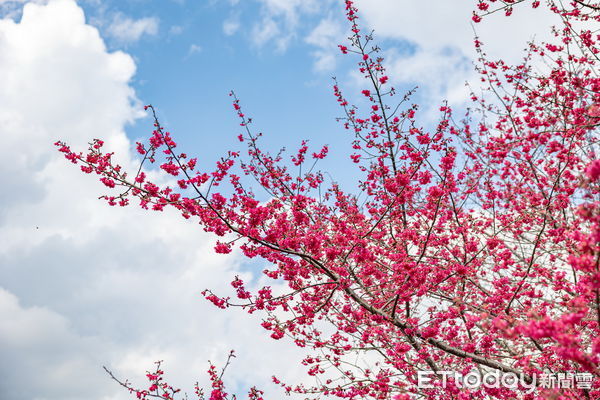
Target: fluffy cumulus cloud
83,285
440,23
440,34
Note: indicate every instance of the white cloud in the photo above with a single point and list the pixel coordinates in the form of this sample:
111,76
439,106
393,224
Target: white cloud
441,23
280,20
83,284
128,30
22,346
194,49
290,10
266,31
442,34
325,37
439,73
232,24
176,30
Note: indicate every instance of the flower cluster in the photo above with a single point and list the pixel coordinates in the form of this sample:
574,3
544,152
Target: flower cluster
471,245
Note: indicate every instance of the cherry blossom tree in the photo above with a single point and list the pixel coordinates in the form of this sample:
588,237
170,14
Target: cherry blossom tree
471,247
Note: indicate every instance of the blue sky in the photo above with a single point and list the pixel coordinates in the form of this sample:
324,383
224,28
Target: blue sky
193,53
83,285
